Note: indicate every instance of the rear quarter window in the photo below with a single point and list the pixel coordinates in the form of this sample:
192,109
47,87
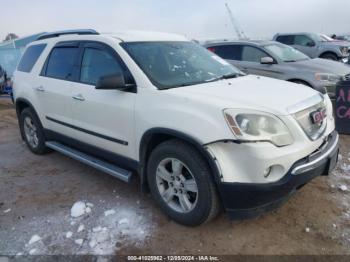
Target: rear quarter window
229,52
30,57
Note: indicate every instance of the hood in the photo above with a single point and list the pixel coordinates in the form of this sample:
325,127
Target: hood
248,92
319,65
336,43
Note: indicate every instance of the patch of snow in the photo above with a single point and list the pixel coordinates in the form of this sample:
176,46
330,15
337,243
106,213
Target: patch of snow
79,241
334,225
92,243
307,230
69,234
109,212
81,228
97,229
32,251
7,210
33,239
72,223
19,254
343,188
80,208
90,205
123,221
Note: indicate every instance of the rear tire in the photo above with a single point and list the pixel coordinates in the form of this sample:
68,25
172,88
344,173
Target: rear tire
32,131
181,183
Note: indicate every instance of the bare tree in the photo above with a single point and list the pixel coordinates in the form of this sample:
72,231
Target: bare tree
10,36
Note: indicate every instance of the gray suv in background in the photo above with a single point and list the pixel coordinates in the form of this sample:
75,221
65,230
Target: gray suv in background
315,45
273,59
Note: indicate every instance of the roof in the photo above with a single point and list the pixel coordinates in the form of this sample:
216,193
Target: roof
137,36
251,42
123,36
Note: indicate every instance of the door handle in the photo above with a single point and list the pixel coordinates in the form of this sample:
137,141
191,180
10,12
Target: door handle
40,89
79,97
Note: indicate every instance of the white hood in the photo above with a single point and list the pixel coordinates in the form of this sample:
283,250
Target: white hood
253,92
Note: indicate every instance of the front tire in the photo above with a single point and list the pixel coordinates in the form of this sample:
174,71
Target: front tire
330,56
32,131
181,183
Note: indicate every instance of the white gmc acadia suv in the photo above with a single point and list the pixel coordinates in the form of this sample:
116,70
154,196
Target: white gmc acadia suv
199,133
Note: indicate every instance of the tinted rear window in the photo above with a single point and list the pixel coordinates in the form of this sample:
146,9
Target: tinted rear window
285,39
229,52
61,63
30,57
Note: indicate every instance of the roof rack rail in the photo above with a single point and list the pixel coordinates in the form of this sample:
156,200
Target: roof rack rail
68,32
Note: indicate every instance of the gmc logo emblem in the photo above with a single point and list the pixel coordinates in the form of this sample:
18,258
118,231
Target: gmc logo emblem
318,116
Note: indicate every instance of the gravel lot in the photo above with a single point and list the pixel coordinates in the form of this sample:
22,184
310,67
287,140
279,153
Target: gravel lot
38,192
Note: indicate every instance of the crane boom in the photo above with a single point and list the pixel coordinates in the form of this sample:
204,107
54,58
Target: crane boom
239,31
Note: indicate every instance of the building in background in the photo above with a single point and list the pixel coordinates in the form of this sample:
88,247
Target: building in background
11,51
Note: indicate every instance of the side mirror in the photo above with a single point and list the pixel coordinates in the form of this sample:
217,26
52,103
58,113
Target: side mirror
110,82
310,44
267,60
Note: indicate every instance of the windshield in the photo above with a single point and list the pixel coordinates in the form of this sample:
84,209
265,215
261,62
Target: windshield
286,53
176,64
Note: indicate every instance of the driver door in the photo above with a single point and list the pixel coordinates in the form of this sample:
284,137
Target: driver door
103,118
305,45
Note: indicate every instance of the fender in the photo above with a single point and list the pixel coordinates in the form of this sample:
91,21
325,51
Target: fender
148,136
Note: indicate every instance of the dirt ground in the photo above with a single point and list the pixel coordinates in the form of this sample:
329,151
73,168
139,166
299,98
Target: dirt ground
38,192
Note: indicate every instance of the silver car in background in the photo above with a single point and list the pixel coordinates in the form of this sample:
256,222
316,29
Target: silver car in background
276,60
316,45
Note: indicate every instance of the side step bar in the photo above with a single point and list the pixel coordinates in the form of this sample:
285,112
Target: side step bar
103,166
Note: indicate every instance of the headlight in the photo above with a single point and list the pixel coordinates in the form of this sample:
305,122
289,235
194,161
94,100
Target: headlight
344,50
327,77
257,126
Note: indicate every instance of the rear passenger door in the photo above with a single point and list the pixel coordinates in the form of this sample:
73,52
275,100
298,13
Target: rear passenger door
103,118
55,87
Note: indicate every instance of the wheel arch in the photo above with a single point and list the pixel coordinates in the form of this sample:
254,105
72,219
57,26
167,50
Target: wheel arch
21,104
155,136
330,53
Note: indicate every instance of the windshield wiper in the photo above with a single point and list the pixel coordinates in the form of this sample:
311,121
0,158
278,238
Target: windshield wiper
289,61
227,76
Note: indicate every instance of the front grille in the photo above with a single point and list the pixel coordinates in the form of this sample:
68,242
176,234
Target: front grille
312,130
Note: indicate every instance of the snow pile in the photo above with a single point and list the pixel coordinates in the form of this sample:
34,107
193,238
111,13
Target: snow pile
125,225
7,210
109,212
80,208
343,188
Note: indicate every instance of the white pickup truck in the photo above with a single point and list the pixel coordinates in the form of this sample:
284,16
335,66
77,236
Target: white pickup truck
198,133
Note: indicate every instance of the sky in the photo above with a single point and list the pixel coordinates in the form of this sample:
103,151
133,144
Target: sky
197,19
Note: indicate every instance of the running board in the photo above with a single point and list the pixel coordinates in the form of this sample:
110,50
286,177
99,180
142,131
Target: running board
103,166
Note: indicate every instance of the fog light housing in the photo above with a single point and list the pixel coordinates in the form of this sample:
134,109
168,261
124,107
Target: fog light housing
267,172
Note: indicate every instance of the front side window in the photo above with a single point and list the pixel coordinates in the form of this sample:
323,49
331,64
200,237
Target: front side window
62,62
97,63
285,53
30,57
176,64
302,40
252,54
